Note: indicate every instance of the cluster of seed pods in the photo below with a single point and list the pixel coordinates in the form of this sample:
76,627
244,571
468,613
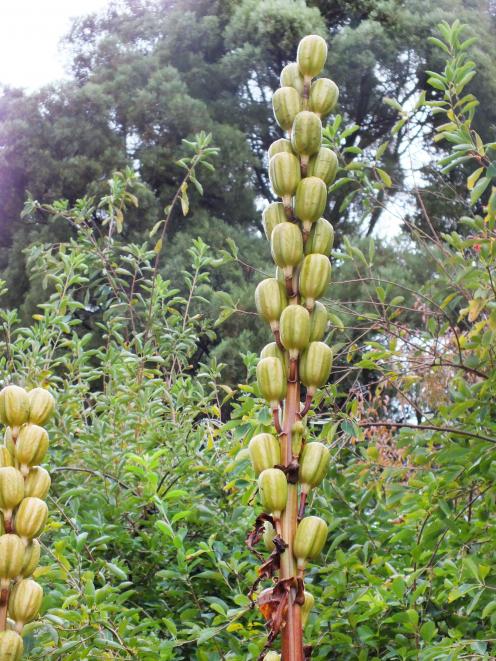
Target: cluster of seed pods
24,485
288,468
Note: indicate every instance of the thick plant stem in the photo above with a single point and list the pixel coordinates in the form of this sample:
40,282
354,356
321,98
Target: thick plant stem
4,604
292,634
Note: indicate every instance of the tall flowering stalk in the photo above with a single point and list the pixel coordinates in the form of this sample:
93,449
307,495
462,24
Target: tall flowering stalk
288,467
24,485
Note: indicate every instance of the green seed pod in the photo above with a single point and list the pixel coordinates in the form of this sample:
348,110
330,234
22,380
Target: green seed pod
314,278
272,656
324,94
37,483
31,517
284,175
309,540
273,488
14,406
31,558
324,165
286,104
295,329
310,201
307,606
41,405
11,556
268,536
286,244
5,457
315,366
314,462
271,350
265,452
271,299
297,432
11,646
25,602
318,322
8,441
272,216
311,55
321,238
11,488
281,145
271,380
291,77
306,136
31,446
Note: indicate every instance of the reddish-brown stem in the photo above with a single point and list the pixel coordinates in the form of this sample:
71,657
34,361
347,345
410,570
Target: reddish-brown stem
277,338
303,502
4,604
289,286
277,424
308,404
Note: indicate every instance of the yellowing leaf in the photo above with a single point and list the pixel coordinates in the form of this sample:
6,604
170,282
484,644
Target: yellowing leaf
472,178
475,307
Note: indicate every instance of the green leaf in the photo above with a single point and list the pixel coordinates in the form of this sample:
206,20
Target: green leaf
428,631
479,189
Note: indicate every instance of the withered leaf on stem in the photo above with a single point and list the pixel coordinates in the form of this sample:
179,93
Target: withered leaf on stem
256,534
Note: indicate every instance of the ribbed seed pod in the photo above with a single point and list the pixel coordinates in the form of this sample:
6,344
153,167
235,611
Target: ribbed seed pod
281,145
265,452
31,517
295,329
271,381
31,446
309,540
25,602
314,277
284,175
271,299
321,238
324,165
14,406
308,604
41,405
306,136
310,201
11,488
286,103
297,433
315,366
11,557
286,244
273,488
37,483
318,322
324,94
8,441
5,457
272,216
311,55
314,462
11,646
31,558
291,77
271,350
268,536
272,656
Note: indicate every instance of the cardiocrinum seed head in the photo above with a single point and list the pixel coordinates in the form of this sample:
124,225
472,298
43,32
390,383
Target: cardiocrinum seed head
271,381
5,457
265,452
31,446
41,405
286,103
310,201
31,558
309,540
281,145
324,165
324,94
314,462
306,136
314,277
31,517
291,77
14,406
294,327
11,557
319,319
271,350
25,602
321,238
268,536
11,646
11,488
286,244
307,606
37,482
273,488
284,175
315,366
270,300
273,215
311,55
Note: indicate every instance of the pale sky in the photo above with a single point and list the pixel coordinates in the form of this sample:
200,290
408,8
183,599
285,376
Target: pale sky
30,31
